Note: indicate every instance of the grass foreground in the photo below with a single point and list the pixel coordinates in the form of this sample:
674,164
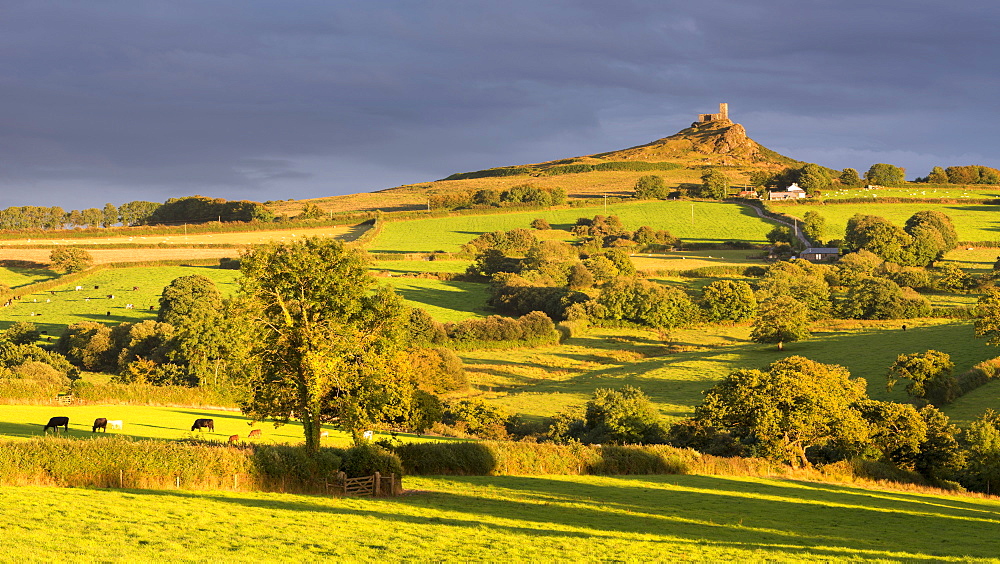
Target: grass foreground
563,518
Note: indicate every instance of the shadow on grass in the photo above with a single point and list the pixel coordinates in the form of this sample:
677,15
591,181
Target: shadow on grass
779,518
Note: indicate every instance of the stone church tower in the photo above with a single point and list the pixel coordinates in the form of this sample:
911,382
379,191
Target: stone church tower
723,114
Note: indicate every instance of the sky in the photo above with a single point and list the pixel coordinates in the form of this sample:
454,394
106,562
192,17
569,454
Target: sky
115,101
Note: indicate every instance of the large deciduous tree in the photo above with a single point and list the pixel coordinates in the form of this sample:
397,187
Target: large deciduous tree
194,307
328,341
882,174
729,300
70,259
792,405
714,184
781,319
929,373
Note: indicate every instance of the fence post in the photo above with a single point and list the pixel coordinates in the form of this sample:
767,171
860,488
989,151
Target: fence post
377,483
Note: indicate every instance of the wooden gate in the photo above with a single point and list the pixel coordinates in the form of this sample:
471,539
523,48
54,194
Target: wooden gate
375,485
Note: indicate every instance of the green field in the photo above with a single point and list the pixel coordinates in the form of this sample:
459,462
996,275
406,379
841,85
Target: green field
54,311
978,259
444,300
15,277
417,266
553,518
916,191
167,423
972,222
546,380
711,222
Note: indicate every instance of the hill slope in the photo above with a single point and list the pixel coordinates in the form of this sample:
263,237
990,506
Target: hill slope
678,158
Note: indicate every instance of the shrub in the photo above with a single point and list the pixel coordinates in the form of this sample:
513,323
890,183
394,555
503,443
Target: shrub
365,460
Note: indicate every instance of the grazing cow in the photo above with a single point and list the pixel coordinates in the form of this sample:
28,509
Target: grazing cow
324,434
115,423
200,424
100,423
56,422
233,438
254,433
111,296
96,287
134,288
128,306
367,435
78,288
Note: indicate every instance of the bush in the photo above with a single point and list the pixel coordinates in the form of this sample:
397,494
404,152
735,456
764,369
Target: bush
365,460
540,224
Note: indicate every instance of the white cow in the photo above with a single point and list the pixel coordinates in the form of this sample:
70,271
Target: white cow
368,435
116,424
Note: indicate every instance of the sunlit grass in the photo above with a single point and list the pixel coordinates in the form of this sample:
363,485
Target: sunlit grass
691,221
564,518
972,222
444,300
64,306
168,423
543,381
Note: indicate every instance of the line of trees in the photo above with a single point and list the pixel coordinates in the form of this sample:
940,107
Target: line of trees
192,209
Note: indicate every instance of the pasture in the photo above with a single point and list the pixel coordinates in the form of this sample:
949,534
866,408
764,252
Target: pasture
543,381
972,222
692,221
63,306
18,422
235,238
980,192
687,260
443,300
107,256
510,518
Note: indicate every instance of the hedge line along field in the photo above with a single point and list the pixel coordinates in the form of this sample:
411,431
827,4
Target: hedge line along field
18,422
563,518
236,238
54,311
540,382
443,300
711,222
972,222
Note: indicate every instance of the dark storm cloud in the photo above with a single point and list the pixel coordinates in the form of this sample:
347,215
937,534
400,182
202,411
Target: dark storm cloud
115,101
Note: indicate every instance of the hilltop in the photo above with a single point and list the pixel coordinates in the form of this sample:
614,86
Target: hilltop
714,139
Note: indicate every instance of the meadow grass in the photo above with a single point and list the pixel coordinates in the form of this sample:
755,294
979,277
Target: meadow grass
540,382
687,260
507,518
418,266
916,191
711,222
66,306
19,422
972,222
15,277
249,236
974,259
443,300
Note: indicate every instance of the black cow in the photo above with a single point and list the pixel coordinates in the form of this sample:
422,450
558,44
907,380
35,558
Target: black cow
200,424
100,423
56,422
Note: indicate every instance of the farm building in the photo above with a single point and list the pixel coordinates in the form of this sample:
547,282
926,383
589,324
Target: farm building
821,254
793,192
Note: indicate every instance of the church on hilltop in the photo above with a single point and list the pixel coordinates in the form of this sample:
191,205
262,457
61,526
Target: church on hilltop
723,115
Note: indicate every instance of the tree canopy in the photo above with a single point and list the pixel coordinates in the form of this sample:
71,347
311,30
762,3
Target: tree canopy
793,404
328,342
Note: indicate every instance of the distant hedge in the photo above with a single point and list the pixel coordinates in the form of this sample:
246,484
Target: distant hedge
194,464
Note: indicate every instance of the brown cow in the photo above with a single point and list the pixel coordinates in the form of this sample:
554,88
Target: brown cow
254,433
100,423
233,438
